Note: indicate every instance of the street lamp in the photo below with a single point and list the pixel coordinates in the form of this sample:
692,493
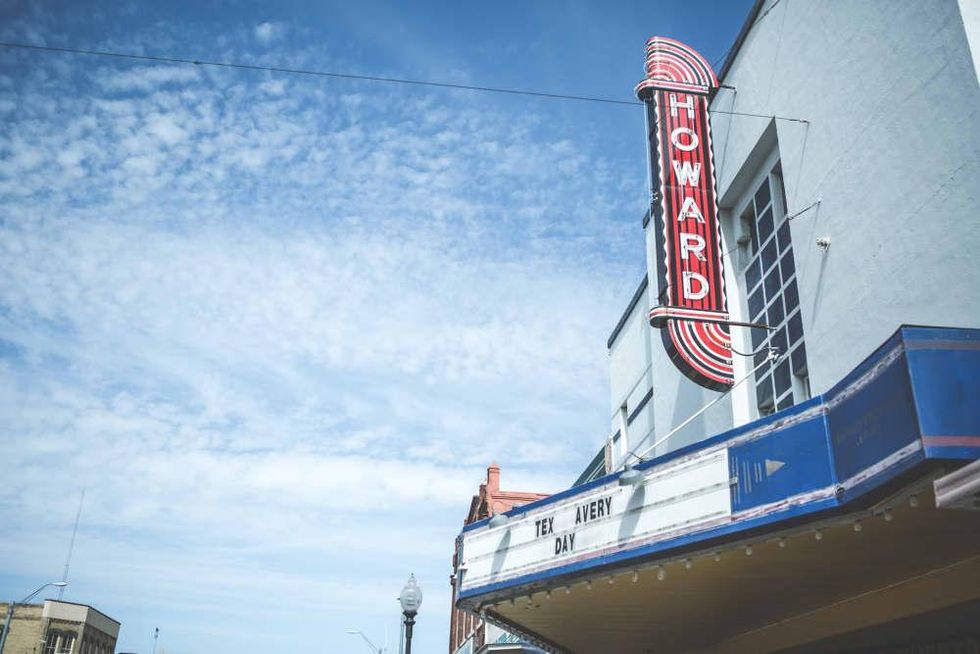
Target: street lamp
376,650
10,608
411,600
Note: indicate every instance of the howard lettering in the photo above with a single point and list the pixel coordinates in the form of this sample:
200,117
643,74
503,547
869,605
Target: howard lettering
694,285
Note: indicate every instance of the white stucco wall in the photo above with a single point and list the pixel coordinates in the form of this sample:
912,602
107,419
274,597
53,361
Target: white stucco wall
637,364
970,13
892,149
630,378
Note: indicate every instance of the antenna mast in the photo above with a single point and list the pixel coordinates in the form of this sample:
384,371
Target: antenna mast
71,546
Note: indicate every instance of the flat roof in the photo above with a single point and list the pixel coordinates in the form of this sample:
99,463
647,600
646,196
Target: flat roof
740,39
87,606
637,294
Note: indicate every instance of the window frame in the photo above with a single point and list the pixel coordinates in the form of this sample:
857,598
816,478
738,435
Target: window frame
66,643
743,226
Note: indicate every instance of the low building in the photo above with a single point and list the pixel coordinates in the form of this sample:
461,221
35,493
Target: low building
468,632
795,385
57,627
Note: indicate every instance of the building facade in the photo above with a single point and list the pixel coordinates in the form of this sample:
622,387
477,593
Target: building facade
851,102
791,497
57,627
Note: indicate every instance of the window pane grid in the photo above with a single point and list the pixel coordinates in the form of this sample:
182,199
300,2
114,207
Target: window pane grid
773,298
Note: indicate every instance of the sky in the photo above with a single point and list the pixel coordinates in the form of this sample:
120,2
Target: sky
276,327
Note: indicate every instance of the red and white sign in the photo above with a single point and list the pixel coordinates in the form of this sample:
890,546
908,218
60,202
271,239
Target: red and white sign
692,313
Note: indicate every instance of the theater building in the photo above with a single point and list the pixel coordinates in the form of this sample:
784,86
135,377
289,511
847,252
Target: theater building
791,463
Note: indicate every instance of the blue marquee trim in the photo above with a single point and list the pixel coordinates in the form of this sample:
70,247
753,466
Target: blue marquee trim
922,384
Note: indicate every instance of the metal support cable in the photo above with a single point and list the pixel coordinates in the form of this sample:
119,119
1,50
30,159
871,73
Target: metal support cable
774,355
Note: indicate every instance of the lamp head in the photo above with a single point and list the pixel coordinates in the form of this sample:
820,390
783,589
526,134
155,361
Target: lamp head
411,596
630,476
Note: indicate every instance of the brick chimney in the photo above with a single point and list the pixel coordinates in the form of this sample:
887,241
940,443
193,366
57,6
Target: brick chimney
493,479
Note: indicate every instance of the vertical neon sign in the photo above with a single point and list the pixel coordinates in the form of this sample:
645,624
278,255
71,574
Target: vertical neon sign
692,313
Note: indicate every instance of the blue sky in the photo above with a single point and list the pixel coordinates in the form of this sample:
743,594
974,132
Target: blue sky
278,326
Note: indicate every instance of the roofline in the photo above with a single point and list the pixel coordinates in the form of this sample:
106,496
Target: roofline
518,495
88,606
740,39
591,468
629,309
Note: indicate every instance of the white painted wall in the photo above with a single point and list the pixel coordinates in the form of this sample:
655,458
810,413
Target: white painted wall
630,377
893,151
970,13
637,363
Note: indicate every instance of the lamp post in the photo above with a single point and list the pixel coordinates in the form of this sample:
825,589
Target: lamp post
10,609
411,600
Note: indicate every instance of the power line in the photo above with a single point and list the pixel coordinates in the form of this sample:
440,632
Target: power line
354,76
316,73
722,58
766,12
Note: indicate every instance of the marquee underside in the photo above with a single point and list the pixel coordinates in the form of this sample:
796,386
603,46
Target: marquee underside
923,562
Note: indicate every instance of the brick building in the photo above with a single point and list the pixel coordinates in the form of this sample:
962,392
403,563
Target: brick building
468,634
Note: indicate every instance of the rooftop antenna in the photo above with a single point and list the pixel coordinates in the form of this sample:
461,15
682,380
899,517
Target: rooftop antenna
71,546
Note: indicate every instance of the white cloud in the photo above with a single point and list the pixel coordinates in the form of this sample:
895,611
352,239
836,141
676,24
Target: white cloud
278,330
165,128
146,78
267,32
273,86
